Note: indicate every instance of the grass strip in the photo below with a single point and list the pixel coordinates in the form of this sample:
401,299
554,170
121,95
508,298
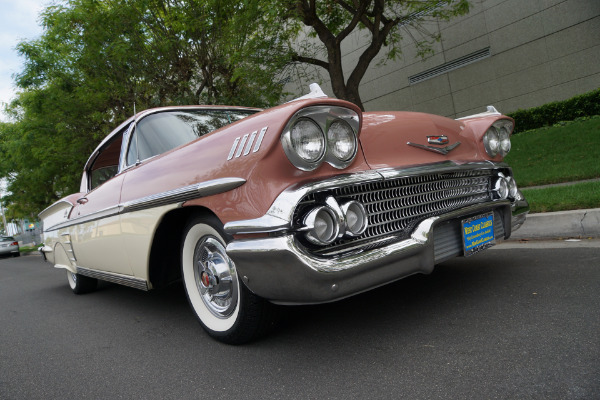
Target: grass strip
562,153
560,198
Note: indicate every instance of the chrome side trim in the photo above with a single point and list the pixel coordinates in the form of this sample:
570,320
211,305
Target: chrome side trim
180,195
105,213
125,280
183,194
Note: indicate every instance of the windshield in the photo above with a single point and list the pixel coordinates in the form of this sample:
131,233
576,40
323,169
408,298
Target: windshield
164,131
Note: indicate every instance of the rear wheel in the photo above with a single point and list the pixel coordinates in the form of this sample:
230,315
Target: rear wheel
81,284
225,308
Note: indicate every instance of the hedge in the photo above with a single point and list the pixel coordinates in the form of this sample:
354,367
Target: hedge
584,105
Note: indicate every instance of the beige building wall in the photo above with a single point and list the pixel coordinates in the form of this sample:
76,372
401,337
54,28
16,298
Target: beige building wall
508,53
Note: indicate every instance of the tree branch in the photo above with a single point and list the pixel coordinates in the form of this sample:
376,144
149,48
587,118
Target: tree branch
310,60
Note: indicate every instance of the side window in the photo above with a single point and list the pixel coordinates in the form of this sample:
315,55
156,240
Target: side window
106,164
161,132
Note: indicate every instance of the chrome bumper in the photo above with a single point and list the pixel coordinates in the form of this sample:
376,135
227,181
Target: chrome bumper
278,269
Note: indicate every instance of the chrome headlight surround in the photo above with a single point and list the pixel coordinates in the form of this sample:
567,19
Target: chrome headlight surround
336,124
496,139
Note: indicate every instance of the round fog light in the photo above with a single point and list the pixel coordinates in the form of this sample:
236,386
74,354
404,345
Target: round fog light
322,225
356,218
512,188
501,188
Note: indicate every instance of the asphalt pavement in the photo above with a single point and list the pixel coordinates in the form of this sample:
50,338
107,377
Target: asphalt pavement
519,321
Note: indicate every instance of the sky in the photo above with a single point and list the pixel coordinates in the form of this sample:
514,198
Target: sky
18,20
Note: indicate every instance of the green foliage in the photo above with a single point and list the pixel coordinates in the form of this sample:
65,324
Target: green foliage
560,198
97,59
587,104
556,154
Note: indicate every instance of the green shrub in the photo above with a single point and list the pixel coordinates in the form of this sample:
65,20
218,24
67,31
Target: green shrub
587,104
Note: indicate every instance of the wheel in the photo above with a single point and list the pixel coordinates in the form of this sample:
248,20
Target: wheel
81,284
16,254
223,305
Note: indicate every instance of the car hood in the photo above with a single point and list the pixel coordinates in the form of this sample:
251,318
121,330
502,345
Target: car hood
399,139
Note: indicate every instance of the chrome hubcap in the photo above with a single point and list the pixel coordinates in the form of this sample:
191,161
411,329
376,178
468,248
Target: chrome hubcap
215,277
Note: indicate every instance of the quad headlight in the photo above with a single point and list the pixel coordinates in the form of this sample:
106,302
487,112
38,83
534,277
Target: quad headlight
341,140
497,138
321,134
307,140
491,141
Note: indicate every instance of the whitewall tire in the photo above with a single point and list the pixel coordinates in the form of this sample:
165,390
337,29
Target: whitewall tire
223,305
80,284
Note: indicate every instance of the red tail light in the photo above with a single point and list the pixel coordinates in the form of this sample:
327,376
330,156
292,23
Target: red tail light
14,244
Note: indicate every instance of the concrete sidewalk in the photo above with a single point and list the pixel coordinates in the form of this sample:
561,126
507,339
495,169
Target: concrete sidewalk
562,224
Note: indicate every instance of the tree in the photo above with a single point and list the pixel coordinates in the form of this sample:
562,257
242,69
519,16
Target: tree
98,60
384,22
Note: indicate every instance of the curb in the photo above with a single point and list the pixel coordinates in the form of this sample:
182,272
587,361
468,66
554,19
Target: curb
561,224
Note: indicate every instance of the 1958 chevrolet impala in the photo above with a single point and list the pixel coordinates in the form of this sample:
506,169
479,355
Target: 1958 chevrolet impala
307,202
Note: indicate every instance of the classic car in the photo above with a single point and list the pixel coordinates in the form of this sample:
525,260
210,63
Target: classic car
308,202
9,246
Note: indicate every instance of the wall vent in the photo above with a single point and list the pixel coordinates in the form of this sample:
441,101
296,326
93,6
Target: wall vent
450,66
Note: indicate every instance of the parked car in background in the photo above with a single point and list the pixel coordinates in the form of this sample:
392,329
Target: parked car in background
308,202
9,246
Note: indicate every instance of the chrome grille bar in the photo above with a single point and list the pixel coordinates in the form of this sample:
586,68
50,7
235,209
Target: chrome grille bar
395,206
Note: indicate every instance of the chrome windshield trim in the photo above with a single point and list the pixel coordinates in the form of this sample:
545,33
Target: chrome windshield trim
180,195
279,216
121,279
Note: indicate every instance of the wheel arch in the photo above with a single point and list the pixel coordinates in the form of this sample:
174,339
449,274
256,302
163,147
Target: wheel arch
164,266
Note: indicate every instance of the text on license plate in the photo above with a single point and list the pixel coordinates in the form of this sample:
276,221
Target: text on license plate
478,233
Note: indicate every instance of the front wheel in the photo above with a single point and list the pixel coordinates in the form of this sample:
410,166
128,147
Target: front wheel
81,284
225,308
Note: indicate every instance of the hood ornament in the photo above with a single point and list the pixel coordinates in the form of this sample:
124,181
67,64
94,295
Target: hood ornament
439,139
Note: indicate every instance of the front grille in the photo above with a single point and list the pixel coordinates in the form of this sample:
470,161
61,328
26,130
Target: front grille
396,206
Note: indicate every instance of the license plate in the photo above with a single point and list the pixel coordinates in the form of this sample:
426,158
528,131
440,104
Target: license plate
478,233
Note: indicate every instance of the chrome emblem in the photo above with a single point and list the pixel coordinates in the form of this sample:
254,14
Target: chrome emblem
440,139
247,140
440,150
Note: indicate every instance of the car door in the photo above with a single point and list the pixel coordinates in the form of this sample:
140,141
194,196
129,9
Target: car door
96,229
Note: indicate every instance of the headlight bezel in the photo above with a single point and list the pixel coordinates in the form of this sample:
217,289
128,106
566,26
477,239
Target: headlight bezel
324,117
292,152
496,139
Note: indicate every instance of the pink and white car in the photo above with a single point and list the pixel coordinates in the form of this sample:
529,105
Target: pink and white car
307,202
